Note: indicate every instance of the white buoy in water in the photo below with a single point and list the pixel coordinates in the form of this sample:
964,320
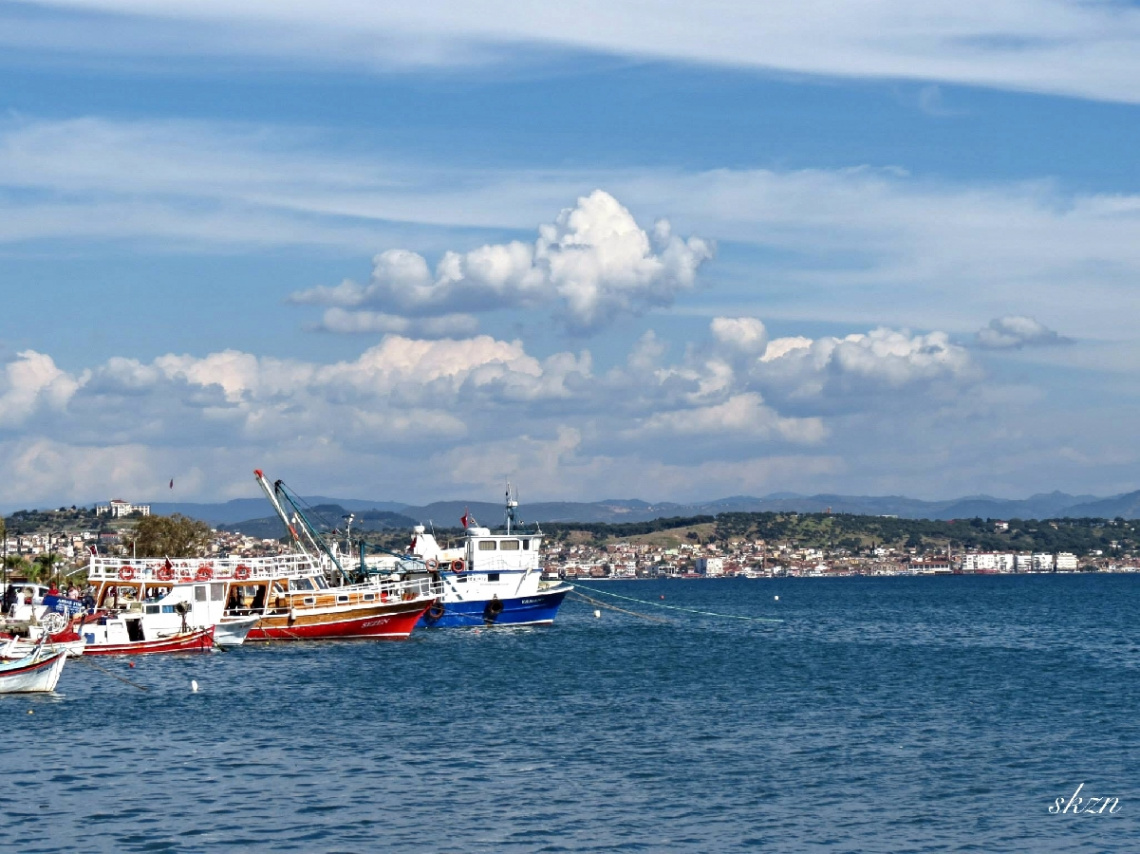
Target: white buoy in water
597,614
194,686
777,598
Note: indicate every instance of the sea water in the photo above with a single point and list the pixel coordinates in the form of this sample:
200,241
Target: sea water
882,714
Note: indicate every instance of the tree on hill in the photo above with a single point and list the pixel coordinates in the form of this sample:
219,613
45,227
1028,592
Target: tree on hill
168,536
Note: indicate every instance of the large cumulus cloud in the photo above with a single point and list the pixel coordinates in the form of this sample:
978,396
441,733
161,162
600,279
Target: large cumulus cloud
592,263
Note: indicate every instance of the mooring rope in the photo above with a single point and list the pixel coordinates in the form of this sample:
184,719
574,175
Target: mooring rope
610,607
678,608
87,660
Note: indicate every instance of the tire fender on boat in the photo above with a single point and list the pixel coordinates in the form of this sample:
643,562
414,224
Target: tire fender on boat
492,610
436,610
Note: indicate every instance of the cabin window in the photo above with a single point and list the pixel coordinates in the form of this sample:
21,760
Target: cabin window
526,545
369,597
200,593
168,609
487,546
217,592
152,609
492,576
300,584
509,545
342,597
309,600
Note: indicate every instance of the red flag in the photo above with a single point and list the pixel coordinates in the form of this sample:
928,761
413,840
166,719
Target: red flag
466,513
167,564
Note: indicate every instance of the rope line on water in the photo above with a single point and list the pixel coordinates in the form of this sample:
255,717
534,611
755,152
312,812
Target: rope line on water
610,607
87,660
677,608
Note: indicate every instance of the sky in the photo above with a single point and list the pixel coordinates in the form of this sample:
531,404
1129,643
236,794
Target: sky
665,251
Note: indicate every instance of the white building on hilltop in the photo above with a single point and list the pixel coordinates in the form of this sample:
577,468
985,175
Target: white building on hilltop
117,507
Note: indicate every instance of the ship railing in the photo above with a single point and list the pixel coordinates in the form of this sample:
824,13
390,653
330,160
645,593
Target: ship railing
412,587
102,568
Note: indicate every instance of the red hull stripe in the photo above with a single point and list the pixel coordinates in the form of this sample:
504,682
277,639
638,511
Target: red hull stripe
196,642
372,626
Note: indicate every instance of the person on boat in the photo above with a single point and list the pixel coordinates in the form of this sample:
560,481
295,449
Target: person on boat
10,597
72,592
53,590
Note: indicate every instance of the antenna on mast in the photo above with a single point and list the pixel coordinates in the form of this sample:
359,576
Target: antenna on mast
512,501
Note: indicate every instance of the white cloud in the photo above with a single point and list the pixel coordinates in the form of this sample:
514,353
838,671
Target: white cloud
593,263
478,403
1063,47
32,383
1013,332
742,415
448,325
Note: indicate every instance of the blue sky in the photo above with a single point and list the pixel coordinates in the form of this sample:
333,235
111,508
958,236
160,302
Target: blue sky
603,250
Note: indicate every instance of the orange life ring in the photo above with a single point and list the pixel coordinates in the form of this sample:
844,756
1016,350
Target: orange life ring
204,573
126,572
241,573
458,565
165,573
432,564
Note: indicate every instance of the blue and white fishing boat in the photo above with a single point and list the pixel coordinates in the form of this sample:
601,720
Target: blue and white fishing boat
489,577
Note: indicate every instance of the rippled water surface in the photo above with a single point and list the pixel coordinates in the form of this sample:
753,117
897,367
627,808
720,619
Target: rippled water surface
940,714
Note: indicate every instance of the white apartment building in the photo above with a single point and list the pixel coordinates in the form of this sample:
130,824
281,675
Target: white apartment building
1066,562
710,566
1042,563
989,562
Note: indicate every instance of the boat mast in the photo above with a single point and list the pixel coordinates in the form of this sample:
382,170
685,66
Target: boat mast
314,537
268,490
512,503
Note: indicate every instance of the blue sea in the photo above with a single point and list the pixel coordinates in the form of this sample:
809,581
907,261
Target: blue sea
880,714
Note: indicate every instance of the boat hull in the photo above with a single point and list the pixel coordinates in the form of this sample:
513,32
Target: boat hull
31,676
390,621
200,640
232,631
537,609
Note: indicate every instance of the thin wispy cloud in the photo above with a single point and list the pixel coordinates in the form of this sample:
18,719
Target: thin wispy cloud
1061,47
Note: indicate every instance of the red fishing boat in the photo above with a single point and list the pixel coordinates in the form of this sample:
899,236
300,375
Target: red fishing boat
115,635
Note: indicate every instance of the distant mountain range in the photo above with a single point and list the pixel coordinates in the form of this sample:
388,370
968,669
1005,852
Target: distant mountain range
249,516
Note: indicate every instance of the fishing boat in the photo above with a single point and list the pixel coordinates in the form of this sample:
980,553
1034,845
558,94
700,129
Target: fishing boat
118,634
38,672
489,577
321,597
